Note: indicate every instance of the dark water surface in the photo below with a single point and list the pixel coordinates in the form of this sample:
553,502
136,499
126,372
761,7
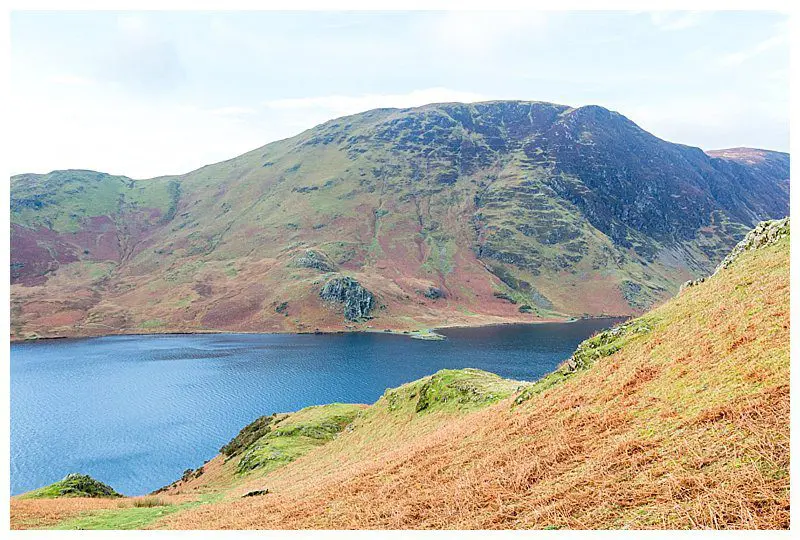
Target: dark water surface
136,411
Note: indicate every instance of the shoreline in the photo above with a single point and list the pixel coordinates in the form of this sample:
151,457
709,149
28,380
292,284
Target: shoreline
411,334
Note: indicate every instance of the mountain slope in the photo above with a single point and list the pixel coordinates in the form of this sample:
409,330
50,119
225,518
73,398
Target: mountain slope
686,425
677,419
446,214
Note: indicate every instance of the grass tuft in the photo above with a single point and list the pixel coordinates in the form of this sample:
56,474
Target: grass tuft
149,502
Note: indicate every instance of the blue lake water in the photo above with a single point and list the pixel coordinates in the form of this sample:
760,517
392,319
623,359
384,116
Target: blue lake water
136,411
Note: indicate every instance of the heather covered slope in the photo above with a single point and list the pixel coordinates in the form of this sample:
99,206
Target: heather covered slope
680,420
676,419
445,214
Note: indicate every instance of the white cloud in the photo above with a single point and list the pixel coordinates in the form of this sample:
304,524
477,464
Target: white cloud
115,133
70,80
482,31
161,94
232,111
741,57
724,121
112,133
132,24
479,35
671,21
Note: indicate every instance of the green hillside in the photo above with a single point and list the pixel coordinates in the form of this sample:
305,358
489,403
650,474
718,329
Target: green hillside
446,214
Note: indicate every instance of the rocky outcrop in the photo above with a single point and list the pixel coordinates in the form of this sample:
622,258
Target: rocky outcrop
83,485
605,343
358,301
691,283
315,260
599,346
256,493
433,293
504,296
764,234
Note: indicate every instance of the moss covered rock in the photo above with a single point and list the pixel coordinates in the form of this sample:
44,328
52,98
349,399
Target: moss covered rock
250,434
74,485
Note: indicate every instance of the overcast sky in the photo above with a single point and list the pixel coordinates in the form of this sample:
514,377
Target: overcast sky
149,94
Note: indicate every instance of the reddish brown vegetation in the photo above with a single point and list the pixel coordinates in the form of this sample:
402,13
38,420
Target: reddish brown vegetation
43,513
680,429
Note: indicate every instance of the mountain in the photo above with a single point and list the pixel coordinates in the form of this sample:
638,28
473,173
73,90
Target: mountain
676,419
447,214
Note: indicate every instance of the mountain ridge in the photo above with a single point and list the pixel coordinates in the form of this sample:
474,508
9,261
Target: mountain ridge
514,211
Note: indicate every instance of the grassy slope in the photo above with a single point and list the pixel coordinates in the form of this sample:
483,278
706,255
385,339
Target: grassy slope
686,426
681,420
64,199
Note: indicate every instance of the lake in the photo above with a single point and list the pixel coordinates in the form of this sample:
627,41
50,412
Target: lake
136,411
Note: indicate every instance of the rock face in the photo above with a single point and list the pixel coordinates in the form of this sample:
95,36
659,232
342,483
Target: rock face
764,234
256,493
691,283
357,301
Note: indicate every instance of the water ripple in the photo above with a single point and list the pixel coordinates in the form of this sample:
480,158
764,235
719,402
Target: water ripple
136,411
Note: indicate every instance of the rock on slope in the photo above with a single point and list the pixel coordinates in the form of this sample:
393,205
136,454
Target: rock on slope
569,211
765,234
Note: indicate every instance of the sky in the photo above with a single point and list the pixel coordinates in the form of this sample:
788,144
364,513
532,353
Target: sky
145,94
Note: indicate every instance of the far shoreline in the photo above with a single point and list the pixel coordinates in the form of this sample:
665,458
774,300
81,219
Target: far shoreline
411,334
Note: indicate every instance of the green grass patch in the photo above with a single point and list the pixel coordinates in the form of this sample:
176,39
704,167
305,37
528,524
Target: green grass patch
271,442
449,390
440,255
250,434
152,323
136,516
73,485
63,200
426,334
122,519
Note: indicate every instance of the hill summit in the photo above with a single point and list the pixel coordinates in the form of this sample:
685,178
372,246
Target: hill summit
447,214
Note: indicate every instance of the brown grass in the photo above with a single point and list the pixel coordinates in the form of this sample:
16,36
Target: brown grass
686,427
43,513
